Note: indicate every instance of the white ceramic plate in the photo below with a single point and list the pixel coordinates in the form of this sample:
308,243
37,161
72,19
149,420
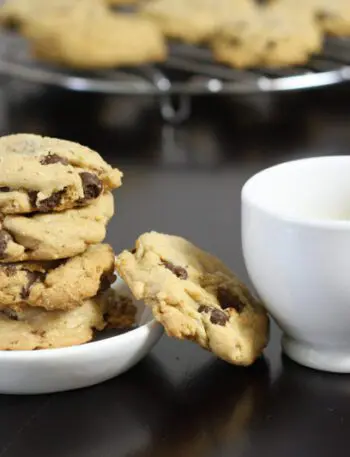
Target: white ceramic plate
55,370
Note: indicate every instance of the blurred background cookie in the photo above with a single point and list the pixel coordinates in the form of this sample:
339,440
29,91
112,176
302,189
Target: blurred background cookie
192,21
267,37
17,13
94,39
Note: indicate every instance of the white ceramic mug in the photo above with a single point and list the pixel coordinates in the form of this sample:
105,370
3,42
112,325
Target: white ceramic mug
296,246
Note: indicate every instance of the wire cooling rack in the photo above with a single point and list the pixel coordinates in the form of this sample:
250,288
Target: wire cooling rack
189,71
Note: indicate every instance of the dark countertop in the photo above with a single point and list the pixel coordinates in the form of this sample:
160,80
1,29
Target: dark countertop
180,400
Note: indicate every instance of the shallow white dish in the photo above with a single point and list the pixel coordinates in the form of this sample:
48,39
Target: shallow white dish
56,370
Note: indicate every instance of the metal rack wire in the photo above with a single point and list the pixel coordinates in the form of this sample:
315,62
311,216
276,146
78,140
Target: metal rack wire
189,71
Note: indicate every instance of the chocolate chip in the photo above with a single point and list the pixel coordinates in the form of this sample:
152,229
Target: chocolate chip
106,280
218,317
5,189
92,185
41,333
5,238
271,44
234,41
32,195
180,272
323,15
9,270
10,313
204,309
53,158
228,300
13,24
133,251
50,203
32,276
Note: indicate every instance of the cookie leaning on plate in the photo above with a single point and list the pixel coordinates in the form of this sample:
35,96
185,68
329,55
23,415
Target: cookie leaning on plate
195,297
47,174
55,235
57,285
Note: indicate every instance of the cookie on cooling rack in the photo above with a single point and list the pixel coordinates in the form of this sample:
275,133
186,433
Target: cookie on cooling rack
333,16
16,13
192,21
90,39
273,36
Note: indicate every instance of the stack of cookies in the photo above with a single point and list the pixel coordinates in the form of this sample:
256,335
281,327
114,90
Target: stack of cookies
55,203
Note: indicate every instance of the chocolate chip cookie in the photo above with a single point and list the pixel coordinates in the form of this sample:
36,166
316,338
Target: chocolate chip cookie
195,297
90,38
18,13
35,328
42,174
333,17
56,235
267,37
192,21
57,285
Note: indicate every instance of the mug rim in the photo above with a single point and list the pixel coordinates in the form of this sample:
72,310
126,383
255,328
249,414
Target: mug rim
323,224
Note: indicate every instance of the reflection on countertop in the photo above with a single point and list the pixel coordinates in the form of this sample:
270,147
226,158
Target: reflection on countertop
307,410
221,130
